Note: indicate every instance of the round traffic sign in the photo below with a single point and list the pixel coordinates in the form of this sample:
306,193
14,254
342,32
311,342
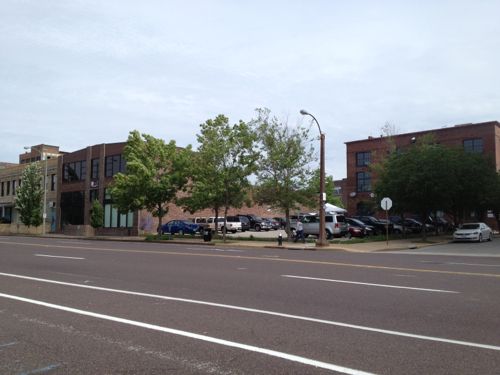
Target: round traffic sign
386,203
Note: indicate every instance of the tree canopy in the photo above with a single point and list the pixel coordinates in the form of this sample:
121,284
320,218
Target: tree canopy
221,166
155,172
429,177
284,173
29,196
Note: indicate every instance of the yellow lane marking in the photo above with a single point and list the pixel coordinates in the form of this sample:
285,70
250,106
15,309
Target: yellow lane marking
327,263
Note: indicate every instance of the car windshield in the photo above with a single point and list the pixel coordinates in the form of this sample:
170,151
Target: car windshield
359,222
470,226
186,222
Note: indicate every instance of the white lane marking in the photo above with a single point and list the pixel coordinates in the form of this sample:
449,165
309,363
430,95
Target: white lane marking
57,256
75,242
196,336
266,312
241,268
371,284
8,344
399,275
475,264
229,250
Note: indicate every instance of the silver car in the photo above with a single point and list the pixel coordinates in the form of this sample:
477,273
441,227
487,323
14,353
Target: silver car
473,232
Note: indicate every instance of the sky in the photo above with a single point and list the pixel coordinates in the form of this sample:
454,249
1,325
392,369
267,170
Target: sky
82,72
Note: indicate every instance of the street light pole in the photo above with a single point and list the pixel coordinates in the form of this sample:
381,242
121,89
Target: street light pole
44,188
322,230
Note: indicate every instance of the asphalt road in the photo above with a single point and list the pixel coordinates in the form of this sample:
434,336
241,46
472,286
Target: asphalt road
99,307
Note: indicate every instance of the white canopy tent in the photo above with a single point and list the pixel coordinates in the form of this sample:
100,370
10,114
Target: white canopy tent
329,208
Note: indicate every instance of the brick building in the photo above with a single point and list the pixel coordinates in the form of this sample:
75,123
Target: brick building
87,175
357,188
10,180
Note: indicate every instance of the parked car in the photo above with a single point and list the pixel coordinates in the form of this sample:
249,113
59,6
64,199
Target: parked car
355,231
201,221
275,225
473,232
335,224
378,226
245,223
368,229
181,227
416,225
256,222
281,221
233,224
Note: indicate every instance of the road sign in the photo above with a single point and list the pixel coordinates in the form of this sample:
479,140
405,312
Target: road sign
386,203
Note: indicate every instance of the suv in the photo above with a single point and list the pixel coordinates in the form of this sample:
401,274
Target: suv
233,224
335,225
256,222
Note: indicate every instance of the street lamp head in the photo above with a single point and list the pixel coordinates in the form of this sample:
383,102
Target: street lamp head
303,112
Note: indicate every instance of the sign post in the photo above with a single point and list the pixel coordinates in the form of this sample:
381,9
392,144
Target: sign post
386,204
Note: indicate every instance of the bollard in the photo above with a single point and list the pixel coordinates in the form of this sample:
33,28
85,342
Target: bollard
280,240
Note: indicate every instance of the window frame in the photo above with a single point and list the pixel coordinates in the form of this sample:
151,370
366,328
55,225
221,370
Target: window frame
363,158
363,182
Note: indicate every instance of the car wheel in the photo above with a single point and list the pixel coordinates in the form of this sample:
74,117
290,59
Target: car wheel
490,238
480,238
329,235
233,231
181,232
257,228
397,231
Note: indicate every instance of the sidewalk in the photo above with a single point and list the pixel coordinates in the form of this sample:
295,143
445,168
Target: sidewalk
362,247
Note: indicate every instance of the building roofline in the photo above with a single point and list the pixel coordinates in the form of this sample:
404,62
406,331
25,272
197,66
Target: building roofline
486,123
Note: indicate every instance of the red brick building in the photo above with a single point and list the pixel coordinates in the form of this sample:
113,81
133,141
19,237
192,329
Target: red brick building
357,188
86,175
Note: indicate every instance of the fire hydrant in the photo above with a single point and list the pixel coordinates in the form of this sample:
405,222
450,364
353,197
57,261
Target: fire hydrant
280,239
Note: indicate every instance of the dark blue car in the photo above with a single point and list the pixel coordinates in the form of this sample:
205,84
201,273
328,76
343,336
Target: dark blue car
181,227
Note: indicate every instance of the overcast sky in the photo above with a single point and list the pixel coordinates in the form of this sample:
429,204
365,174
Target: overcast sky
77,73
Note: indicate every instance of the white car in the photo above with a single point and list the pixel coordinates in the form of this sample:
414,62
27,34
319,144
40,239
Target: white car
473,232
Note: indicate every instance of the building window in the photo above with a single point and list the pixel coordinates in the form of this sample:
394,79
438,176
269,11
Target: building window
8,188
364,181
473,145
363,158
74,171
94,195
94,169
52,182
2,191
113,218
114,165
72,207
14,187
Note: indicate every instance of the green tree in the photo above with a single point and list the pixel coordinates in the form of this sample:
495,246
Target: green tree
284,174
29,196
494,199
155,172
475,179
96,214
418,179
221,166
313,190
429,177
